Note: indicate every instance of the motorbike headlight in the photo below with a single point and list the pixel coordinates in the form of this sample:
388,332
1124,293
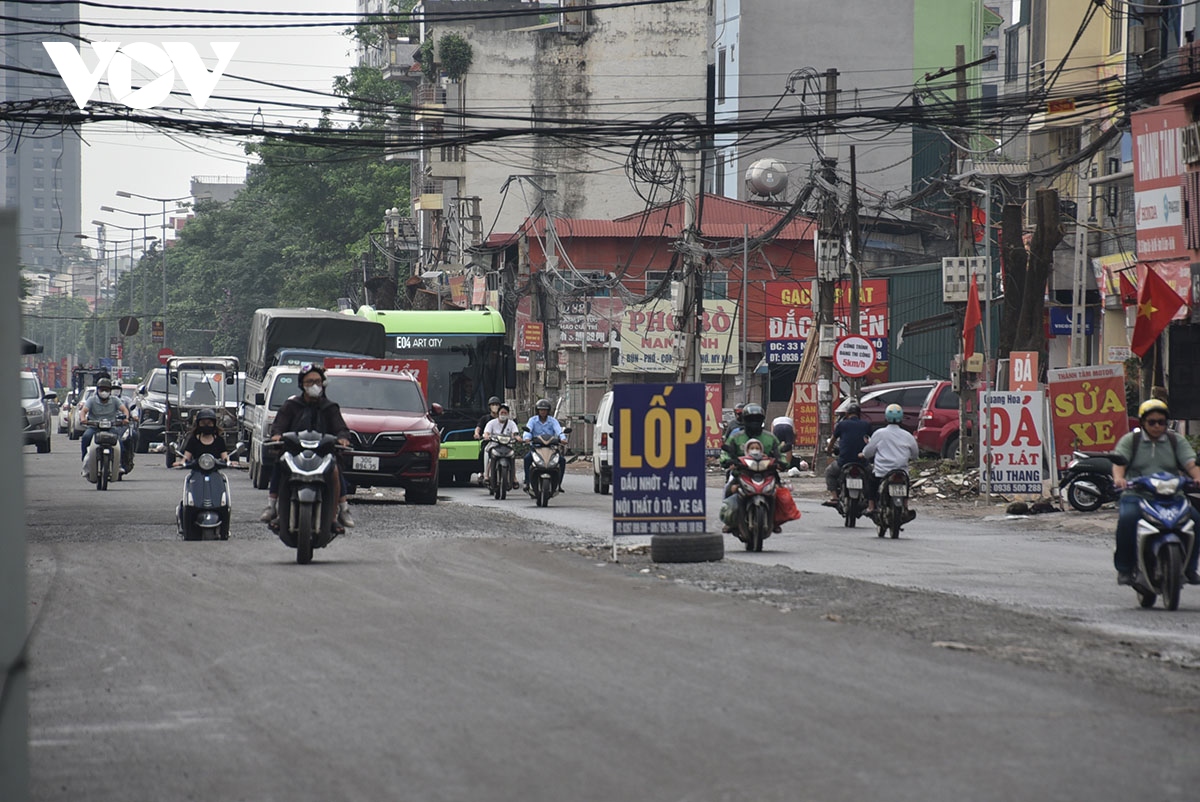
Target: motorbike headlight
1165,487
207,462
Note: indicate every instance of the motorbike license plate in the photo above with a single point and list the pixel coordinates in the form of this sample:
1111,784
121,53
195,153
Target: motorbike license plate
853,483
898,491
365,463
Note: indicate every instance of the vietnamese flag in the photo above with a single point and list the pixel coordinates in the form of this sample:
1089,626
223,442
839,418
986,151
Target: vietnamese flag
1128,292
1157,303
973,318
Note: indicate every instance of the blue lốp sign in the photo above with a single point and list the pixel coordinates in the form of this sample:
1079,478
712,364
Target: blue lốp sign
658,467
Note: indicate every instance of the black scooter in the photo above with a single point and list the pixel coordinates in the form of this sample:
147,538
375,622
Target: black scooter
1087,484
203,514
308,492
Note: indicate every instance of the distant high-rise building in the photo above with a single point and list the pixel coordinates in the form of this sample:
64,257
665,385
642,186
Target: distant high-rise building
41,168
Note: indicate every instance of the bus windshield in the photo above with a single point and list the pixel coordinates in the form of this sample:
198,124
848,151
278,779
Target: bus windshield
464,370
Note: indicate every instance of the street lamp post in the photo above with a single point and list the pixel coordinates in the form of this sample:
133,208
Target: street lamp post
145,239
164,201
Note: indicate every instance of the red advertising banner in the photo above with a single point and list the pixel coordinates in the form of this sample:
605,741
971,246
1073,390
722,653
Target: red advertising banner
790,318
1087,408
417,368
1157,166
533,337
804,415
712,419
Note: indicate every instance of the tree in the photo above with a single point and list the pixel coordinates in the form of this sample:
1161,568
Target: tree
1026,276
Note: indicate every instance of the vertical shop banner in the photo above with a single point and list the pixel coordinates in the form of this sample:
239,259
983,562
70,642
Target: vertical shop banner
1087,408
712,420
790,319
1011,441
648,337
532,337
659,468
1157,166
804,415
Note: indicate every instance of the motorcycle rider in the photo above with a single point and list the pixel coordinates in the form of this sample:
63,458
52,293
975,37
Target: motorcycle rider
850,435
101,405
543,424
891,447
1149,450
204,438
311,410
493,411
739,409
499,425
751,432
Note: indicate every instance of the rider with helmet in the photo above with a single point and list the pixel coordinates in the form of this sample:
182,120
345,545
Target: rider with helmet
849,436
493,410
543,424
739,410
104,404
752,434
1148,450
204,438
310,410
891,448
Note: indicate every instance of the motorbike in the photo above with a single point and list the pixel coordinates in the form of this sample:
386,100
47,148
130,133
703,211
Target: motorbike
754,482
502,449
892,508
1087,483
203,513
308,492
1165,537
103,461
852,492
542,481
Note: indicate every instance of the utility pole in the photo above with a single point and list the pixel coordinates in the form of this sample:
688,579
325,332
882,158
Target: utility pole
828,273
855,248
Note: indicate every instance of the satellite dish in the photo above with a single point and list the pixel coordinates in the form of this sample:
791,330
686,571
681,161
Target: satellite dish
766,178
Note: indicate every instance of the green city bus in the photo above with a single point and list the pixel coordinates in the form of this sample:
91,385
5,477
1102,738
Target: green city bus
468,363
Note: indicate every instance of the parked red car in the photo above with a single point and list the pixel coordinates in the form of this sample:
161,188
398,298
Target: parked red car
937,429
930,411
393,439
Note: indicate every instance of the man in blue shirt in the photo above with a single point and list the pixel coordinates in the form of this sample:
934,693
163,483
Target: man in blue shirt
540,425
850,436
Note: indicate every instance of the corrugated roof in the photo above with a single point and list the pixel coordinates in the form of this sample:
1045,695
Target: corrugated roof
723,218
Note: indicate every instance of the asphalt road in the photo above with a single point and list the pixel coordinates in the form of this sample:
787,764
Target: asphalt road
458,653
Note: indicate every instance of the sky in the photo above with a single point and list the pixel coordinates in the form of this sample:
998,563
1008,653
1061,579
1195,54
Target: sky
139,160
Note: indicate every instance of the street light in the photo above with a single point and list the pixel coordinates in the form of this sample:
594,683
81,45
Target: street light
164,201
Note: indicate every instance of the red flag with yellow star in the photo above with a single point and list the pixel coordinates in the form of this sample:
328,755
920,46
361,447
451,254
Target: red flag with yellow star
1157,303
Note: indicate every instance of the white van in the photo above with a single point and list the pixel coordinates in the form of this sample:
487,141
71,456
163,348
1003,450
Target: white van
602,446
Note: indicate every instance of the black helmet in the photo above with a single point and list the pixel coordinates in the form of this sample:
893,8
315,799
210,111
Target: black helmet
104,384
542,404
853,409
494,400
310,368
206,414
753,417
739,409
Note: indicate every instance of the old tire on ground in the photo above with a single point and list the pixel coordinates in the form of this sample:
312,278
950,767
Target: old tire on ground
693,548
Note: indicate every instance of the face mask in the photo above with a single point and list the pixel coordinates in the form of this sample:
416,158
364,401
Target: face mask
207,429
502,418
313,391
104,394
756,454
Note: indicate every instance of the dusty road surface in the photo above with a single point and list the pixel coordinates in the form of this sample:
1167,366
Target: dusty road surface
464,652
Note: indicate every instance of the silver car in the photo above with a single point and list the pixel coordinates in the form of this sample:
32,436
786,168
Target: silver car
35,412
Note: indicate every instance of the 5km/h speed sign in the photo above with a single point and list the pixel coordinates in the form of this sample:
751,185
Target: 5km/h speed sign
854,356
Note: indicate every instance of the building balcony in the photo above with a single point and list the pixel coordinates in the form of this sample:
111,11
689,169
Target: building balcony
448,161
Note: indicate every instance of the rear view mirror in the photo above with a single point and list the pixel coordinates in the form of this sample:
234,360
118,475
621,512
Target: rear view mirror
590,419
436,409
260,399
567,430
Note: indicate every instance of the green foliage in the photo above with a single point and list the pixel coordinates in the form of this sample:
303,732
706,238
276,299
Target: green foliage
371,96
456,55
380,30
425,58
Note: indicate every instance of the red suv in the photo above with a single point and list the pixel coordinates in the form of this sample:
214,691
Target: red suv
937,432
393,439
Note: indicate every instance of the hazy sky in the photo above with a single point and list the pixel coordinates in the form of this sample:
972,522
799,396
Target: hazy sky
143,161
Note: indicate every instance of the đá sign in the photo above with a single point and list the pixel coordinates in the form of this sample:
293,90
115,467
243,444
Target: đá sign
1087,408
1011,442
659,468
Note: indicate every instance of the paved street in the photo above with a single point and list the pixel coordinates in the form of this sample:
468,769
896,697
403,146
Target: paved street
462,653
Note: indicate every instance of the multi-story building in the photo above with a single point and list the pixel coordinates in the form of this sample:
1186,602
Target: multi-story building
41,169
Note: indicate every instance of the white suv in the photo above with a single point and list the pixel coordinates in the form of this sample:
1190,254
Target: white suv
602,446
35,416
279,383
